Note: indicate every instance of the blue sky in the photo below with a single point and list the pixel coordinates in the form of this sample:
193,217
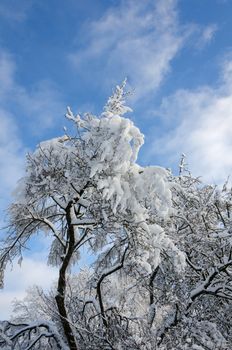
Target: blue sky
176,55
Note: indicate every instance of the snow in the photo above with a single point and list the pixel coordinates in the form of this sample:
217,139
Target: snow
93,178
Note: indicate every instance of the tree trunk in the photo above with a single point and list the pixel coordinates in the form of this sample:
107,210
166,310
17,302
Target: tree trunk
61,288
65,323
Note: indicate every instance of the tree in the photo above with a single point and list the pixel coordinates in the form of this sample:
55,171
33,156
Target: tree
163,308
203,226
161,244
86,189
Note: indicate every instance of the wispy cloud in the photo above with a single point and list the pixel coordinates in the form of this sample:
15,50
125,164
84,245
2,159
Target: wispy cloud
208,33
11,154
7,71
137,39
39,105
205,35
15,11
200,124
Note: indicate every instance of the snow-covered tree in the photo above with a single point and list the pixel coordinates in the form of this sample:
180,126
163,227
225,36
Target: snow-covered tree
203,294
86,190
161,246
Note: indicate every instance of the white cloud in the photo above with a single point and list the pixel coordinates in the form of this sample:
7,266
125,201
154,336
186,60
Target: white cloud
33,271
137,39
206,35
200,124
19,279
